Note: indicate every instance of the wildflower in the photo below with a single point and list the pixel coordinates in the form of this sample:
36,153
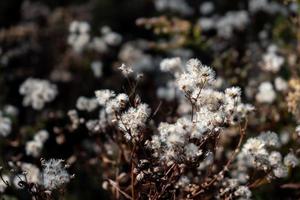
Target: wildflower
232,20
206,7
110,37
256,155
80,26
125,69
285,137
179,6
97,68
265,6
206,23
84,103
99,45
92,125
290,160
5,125
41,136
280,171
269,138
172,142
73,115
33,148
255,147
134,119
173,65
10,110
233,92
133,54
266,93
122,98
275,158
32,173
192,151
243,192
103,96
117,103
271,61
54,174
37,92
79,35
196,76
280,84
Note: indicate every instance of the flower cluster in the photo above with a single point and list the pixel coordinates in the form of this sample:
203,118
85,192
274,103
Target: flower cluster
213,110
196,75
133,120
86,104
139,113
37,92
80,38
257,153
54,174
173,141
79,35
271,61
34,147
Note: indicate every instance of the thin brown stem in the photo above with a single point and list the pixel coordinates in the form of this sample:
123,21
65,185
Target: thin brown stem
132,172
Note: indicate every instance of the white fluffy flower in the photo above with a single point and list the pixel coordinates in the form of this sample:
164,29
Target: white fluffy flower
5,125
37,92
79,35
290,160
275,158
243,192
87,104
134,119
125,69
112,38
97,68
280,171
117,103
41,136
266,93
32,173
206,23
232,20
280,84
196,76
10,110
271,61
54,174
233,92
192,151
103,96
269,138
33,148
206,7
173,65
179,6
255,147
